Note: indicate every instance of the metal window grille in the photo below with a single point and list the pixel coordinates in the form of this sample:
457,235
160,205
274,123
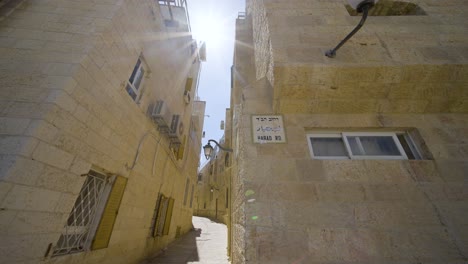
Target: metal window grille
82,222
134,83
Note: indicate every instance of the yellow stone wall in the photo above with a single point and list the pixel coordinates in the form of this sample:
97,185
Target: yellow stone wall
64,109
213,190
396,73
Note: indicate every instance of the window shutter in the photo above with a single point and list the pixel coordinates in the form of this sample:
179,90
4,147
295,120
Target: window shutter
159,214
188,84
180,152
167,223
104,231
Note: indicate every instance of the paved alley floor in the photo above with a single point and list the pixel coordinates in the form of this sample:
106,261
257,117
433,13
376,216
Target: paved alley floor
206,244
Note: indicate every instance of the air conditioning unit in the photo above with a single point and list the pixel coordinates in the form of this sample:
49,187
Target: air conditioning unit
161,115
176,131
187,97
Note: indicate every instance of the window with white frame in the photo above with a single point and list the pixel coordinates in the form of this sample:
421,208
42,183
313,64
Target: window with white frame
363,145
134,84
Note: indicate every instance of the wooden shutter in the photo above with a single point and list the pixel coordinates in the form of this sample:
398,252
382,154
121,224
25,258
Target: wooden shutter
106,224
180,153
159,214
188,84
167,222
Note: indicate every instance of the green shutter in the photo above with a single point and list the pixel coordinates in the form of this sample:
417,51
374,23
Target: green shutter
188,84
106,224
167,222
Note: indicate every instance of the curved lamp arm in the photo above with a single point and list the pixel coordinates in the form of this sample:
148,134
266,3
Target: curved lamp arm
363,8
208,149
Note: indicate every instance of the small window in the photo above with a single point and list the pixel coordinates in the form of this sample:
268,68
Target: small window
134,84
191,195
200,177
227,198
187,184
162,221
90,223
363,145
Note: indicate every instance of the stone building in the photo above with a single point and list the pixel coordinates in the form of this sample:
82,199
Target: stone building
99,130
361,158
212,193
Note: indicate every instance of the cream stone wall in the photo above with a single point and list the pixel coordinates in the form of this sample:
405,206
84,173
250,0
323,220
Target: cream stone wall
213,188
397,73
64,109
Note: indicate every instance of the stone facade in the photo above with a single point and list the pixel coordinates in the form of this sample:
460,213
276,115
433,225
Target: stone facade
399,73
64,110
213,195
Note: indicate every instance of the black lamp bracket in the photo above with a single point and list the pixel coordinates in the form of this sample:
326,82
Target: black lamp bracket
363,8
221,147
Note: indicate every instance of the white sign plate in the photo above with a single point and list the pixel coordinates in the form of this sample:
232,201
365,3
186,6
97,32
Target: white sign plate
268,129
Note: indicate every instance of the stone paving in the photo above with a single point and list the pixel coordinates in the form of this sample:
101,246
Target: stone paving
206,244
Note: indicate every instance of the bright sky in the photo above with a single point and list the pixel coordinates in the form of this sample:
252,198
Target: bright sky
213,21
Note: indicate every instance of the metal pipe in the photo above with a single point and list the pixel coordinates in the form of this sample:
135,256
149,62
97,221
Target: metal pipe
221,147
365,9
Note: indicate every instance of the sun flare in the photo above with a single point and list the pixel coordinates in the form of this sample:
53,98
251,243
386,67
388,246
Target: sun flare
209,29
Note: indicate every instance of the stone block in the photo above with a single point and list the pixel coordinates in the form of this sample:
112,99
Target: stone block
395,214
80,166
5,187
31,199
16,145
59,180
20,170
345,170
42,130
13,126
29,44
25,248
53,156
62,99
36,222
7,42
342,193
310,170
29,110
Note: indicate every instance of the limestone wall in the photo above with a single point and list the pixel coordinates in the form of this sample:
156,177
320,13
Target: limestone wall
397,73
64,109
368,211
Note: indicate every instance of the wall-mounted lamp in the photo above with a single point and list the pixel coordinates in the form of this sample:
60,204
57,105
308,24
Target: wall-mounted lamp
361,6
208,149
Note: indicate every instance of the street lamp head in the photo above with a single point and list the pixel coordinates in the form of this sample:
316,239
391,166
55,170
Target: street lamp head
359,4
207,150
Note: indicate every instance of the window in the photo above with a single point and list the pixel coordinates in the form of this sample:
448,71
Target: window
162,221
200,177
191,195
363,145
227,197
187,184
135,82
90,223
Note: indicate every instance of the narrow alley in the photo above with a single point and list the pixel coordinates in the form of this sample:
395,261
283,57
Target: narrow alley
206,244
